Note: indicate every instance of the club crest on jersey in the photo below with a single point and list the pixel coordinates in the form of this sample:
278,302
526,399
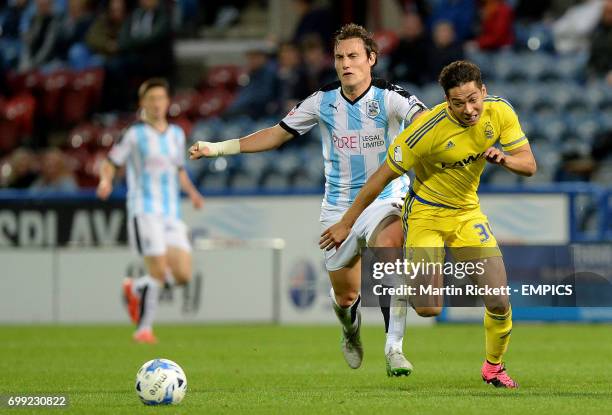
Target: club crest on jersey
397,154
488,130
372,108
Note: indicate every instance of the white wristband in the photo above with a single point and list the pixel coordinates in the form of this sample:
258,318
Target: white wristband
224,148
229,147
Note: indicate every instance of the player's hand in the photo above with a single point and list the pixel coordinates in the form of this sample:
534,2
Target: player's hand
495,156
202,149
333,236
197,200
105,188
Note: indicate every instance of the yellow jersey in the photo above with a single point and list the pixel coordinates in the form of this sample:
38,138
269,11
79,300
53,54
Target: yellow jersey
448,156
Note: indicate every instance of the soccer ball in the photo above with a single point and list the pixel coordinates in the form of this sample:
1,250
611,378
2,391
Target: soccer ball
161,382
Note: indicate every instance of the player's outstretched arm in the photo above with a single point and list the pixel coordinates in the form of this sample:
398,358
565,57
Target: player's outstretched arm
336,234
262,140
519,161
105,186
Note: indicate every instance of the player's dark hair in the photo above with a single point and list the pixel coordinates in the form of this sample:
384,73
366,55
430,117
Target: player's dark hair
153,83
458,73
354,31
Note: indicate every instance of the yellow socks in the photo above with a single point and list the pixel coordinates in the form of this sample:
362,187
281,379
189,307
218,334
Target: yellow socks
497,334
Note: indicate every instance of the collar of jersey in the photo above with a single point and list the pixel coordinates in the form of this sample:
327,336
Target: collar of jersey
451,117
356,100
155,129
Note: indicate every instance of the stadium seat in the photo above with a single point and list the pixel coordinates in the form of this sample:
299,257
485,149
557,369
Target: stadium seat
77,103
501,177
551,127
245,123
570,67
185,124
20,109
244,181
508,66
584,126
548,162
231,131
288,163
88,174
19,82
537,66
387,41
275,182
54,86
411,88
482,59
183,104
595,95
224,77
216,182
529,96
432,94
603,174
307,182
107,137
212,102
260,125
83,136
255,164
208,129
605,120
9,135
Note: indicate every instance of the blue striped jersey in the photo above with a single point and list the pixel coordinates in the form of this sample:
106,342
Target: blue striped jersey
355,135
153,160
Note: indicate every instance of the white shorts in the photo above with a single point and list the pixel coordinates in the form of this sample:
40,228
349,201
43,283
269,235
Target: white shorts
362,230
151,235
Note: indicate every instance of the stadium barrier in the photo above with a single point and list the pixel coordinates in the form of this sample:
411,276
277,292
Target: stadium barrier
64,256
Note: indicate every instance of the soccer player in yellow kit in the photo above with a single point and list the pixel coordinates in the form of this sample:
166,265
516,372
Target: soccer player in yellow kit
448,149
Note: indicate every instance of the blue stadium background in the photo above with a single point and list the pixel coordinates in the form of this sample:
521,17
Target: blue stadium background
69,71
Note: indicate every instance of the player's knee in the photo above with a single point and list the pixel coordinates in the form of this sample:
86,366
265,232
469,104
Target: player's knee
498,305
157,271
346,299
429,311
498,308
388,241
182,277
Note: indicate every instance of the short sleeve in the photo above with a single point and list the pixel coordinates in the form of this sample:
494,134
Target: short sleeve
404,105
180,143
511,135
303,117
122,149
400,157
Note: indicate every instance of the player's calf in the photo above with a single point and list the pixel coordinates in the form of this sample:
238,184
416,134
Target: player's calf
428,311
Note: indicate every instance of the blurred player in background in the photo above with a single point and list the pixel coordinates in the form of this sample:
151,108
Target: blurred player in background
154,152
447,149
358,117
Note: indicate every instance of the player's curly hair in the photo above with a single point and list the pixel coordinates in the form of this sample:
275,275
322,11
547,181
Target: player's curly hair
458,73
152,83
352,31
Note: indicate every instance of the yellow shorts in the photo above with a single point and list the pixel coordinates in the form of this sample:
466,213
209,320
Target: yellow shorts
466,232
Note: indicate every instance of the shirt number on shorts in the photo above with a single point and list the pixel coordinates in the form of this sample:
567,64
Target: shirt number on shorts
484,231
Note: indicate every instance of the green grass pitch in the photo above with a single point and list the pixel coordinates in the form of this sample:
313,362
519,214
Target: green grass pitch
562,369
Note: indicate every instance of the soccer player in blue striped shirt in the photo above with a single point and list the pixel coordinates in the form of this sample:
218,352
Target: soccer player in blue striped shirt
358,117
154,152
